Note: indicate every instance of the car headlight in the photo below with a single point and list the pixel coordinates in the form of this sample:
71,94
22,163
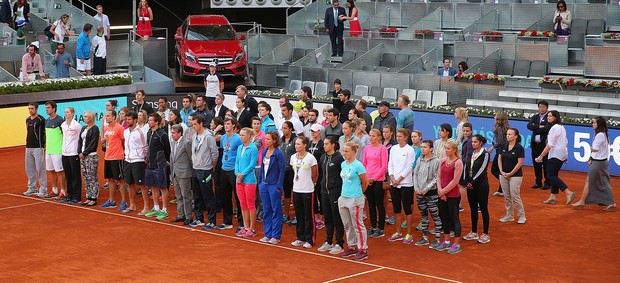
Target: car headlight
238,57
190,57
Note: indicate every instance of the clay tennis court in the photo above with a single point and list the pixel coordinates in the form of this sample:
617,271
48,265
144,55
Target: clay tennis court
42,240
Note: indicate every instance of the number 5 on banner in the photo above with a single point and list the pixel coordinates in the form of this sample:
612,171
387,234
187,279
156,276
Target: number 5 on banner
581,141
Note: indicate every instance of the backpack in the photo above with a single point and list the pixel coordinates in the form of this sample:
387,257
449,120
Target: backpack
47,32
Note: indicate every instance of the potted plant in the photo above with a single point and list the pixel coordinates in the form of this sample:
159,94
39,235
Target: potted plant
492,36
388,32
424,33
534,35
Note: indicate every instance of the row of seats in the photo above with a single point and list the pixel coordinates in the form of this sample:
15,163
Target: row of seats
299,53
582,27
375,94
522,68
532,108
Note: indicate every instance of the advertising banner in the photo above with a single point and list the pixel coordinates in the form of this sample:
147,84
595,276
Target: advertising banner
81,106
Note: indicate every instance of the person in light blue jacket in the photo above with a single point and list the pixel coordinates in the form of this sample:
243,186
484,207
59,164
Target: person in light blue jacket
82,50
247,157
271,186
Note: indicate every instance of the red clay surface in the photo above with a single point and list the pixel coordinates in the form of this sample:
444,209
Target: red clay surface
47,241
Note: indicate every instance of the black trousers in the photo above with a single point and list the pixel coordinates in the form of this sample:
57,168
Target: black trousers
479,195
540,169
204,198
553,170
332,218
449,214
336,37
99,66
374,195
225,192
304,211
71,166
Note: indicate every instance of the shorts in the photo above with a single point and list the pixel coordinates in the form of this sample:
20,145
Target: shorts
134,173
113,169
83,66
53,162
156,178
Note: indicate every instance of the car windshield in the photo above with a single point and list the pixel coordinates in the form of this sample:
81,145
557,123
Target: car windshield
212,32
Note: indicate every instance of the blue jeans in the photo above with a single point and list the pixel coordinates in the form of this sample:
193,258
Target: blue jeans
272,210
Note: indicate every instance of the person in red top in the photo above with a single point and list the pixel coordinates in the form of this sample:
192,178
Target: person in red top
145,16
375,161
113,159
448,176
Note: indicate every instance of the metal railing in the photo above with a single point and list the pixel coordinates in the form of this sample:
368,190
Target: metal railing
487,65
6,77
433,21
426,64
488,22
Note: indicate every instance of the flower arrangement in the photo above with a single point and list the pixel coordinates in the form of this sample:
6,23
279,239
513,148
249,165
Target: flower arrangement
442,108
424,32
585,83
388,32
492,35
480,77
535,33
65,83
612,35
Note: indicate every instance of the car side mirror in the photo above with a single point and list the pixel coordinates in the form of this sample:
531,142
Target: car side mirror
241,37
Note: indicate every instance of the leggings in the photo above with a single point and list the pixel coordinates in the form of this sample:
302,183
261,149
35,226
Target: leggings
333,221
318,203
553,170
449,213
479,196
288,184
91,183
375,194
404,196
304,212
426,204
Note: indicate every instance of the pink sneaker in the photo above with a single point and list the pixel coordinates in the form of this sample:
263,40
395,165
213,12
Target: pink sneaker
249,233
319,224
241,232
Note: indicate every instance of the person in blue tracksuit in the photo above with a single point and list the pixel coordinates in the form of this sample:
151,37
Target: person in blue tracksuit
271,186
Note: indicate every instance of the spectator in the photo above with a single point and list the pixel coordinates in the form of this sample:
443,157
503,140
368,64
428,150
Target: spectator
62,60
347,105
334,25
355,29
21,10
59,30
21,37
361,106
406,115
304,99
145,16
99,48
562,19
219,109
82,50
336,95
5,12
446,71
105,22
463,66
250,102
30,61
385,116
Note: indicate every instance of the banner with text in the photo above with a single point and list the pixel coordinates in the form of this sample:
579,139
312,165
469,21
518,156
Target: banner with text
81,106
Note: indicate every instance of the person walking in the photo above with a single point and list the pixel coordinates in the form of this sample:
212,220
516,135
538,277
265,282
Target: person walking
70,160
270,187
598,187
511,175
477,183
557,148
89,160
35,153
334,25
204,159
351,203
331,187
247,158
59,31
540,129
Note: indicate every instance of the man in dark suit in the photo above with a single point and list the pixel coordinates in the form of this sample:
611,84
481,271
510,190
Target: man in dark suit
335,27
540,128
6,14
446,70
181,174
251,105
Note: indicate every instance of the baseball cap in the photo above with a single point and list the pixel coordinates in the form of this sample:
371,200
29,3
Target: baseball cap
212,64
384,103
21,23
316,127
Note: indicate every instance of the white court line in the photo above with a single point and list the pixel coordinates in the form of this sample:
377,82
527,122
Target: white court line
353,275
21,205
242,239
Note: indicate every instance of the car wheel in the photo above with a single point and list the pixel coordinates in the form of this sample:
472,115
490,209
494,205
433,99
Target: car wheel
179,70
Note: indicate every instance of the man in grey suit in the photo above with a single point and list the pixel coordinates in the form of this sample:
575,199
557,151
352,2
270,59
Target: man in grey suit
181,174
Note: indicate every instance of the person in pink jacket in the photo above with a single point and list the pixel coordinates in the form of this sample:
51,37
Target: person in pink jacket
375,161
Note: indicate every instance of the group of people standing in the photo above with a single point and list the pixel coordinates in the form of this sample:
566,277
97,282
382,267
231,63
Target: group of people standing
216,160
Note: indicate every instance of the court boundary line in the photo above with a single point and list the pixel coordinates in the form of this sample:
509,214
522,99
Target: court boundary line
200,230
21,205
354,275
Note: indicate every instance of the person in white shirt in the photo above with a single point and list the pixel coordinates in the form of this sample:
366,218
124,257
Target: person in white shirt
59,30
214,85
99,47
70,159
306,171
105,21
134,165
557,148
400,166
287,115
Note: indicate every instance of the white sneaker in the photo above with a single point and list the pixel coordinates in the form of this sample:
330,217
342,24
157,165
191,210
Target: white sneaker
521,220
506,219
325,247
264,239
297,243
31,191
307,245
336,250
